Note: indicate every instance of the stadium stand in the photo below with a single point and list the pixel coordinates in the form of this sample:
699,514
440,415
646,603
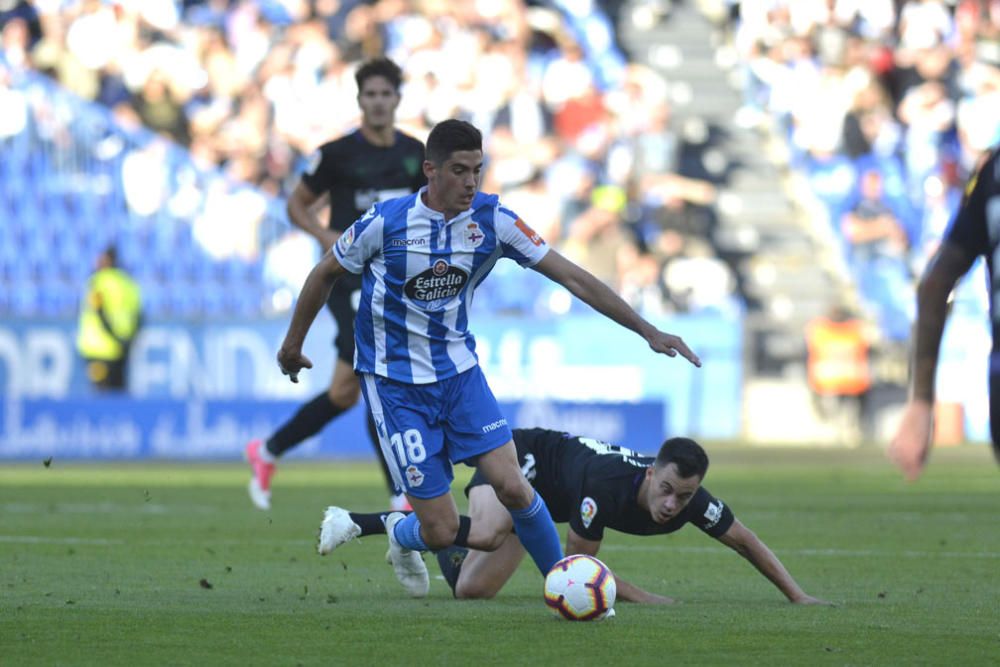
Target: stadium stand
175,129
899,97
718,167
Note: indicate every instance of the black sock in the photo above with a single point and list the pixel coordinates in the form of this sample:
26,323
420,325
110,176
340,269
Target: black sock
374,524
370,524
450,561
308,421
462,537
373,434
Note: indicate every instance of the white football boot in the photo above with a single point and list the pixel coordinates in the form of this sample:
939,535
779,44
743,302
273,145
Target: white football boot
409,566
336,529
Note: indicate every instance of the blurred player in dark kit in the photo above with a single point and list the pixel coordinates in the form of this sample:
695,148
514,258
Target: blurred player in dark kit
974,232
374,163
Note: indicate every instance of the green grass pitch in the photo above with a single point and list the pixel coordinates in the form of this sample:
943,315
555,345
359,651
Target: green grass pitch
168,564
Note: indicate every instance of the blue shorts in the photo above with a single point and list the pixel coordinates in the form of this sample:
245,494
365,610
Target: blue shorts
424,428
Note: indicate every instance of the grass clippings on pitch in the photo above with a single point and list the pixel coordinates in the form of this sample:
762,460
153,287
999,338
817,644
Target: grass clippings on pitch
169,564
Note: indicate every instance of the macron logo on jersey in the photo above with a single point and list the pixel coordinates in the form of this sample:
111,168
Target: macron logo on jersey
495,426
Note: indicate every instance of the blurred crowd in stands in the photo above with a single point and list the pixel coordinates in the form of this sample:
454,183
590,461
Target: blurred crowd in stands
580,141
885,108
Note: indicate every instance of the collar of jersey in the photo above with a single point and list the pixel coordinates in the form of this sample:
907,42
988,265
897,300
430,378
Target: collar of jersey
428,212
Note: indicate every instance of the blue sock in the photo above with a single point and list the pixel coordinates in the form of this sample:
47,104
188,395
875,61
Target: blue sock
538,534
407,533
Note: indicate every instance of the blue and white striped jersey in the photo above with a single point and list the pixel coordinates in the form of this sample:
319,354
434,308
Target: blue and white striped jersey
418,275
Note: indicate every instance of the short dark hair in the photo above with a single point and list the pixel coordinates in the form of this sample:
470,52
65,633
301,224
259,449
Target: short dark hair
686,454
452,135
379,67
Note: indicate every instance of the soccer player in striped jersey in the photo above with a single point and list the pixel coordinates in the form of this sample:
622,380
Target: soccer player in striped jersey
421,258
373,163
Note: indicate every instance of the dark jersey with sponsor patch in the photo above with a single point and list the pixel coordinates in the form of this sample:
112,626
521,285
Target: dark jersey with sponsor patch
356,174
593,485
976,229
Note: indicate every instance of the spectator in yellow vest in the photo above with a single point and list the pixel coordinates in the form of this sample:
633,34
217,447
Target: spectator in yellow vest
110,317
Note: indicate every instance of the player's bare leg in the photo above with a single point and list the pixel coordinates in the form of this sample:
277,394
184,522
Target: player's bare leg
484,573
527,508
438,520
491,522
501,469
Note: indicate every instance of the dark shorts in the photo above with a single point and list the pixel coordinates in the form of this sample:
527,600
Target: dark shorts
343,305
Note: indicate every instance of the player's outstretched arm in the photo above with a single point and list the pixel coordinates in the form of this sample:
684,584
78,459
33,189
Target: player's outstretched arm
586,287
911,445
312,297
625,591
744,542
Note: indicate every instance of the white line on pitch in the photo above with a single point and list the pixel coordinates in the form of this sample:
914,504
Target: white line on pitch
857,553
104,508
34,539
849,553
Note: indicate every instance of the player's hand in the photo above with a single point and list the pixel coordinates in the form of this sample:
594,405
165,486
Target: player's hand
912,444
653,598
291,361
671,345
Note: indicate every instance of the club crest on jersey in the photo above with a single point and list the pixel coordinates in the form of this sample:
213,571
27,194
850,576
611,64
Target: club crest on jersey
436,285
473,235
588,510
713,513
529,232
413,476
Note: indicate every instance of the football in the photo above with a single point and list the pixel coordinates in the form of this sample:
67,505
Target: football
580,588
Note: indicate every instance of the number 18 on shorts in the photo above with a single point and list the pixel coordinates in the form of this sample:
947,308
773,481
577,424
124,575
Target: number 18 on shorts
424,428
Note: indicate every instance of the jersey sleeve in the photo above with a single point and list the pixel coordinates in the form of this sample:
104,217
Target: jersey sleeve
968,228
361,241
517,240
709,514
321,171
